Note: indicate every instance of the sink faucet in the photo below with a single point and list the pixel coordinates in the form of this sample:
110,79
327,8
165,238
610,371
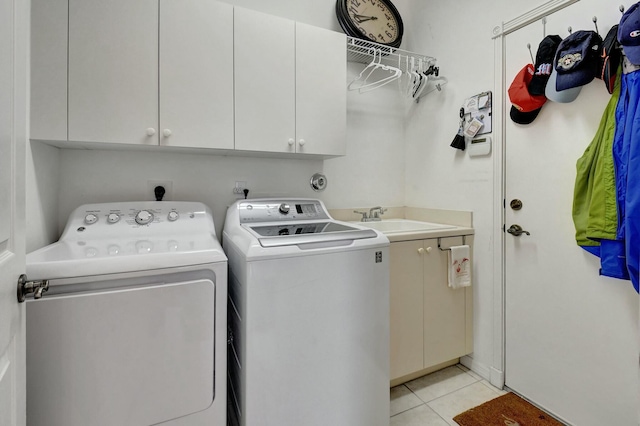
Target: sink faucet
373,215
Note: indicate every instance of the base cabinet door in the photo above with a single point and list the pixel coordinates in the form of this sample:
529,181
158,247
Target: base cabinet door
406,300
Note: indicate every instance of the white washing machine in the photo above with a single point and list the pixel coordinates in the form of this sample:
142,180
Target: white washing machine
132,330
309,317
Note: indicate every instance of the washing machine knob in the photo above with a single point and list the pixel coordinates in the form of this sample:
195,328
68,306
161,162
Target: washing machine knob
173,216
144,217
90,219
284,208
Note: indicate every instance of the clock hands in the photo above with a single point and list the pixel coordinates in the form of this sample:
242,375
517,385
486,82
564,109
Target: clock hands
361,18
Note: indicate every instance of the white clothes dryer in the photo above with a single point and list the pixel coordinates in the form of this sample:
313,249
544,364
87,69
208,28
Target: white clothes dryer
309,317
133,327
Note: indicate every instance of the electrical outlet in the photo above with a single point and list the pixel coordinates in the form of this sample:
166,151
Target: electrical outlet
168,188
240,185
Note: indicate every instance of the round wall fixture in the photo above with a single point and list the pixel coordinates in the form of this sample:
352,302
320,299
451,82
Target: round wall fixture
318,182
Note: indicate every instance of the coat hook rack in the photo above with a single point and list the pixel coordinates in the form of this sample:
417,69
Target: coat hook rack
570,30
544,27
595,22
621,8
530,54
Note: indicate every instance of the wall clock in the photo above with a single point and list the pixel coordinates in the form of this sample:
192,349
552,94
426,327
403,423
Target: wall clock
372,20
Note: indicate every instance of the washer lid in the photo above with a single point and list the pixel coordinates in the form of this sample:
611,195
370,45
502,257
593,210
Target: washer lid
277,235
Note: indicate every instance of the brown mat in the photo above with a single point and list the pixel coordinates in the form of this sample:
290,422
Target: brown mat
509,410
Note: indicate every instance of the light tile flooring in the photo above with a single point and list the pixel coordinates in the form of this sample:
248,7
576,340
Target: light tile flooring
435,399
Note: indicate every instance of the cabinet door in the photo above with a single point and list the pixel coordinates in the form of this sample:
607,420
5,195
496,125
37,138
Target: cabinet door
321,94
264,59
406,300
113,71
49,25
444,308
196,74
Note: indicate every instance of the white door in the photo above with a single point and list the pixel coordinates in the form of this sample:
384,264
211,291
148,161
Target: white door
264,58
14,21
571,335
113,71
196,74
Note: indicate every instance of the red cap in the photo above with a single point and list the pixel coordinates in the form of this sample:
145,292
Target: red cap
525,105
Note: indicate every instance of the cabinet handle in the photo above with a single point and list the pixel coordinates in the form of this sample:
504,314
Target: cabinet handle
166,133
151,131
302,142
429,249
291,142
421,250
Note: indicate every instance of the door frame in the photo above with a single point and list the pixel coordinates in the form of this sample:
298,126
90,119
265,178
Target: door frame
501,84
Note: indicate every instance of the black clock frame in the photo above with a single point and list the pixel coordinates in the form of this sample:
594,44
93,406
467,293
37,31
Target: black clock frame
350,29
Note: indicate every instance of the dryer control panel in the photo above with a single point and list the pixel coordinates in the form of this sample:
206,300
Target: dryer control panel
256,211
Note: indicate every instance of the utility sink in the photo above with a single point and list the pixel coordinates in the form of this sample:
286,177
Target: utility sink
392,226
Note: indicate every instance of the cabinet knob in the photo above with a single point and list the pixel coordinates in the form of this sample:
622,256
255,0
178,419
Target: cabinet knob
421,250
151,131
302,142
429,249
291,142
166,133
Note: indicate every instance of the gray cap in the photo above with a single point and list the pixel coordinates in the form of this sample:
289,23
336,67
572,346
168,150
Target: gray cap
560,96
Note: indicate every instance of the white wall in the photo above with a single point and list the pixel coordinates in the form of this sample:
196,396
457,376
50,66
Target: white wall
42,183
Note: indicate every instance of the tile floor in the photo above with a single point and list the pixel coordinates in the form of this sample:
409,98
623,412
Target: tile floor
435,399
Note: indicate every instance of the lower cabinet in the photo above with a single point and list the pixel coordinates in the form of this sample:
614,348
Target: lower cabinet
431,324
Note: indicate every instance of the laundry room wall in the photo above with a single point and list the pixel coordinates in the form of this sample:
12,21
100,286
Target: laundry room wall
371,174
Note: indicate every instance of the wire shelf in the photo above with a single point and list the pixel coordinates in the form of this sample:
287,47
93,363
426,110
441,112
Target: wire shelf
362,51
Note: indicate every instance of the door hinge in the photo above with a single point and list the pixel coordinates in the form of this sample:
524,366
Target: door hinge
26,287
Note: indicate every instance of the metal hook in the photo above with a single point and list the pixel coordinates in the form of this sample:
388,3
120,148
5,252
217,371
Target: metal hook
570,30
530,54
595,22
544,27
621,8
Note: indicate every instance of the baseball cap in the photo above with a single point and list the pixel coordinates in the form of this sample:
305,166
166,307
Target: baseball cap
544,63
577,59
560,96
526,106
610,58
629,34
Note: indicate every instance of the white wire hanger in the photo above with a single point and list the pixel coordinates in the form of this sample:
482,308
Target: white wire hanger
362,84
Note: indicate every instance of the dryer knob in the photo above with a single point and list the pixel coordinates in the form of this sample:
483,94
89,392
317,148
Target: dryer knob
284,208
113,218
173,216
144,217
90,219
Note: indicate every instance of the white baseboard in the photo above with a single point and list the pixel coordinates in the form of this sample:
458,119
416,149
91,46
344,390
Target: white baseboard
492,375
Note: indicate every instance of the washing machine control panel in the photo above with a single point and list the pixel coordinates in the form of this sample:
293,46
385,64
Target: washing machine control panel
256,211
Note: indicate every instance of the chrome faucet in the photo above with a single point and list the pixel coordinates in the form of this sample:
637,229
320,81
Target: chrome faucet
373,215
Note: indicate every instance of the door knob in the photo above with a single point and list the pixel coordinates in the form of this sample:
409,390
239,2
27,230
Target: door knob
516,230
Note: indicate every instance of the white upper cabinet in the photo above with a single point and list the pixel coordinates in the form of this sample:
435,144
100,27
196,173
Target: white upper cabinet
321,95
185,73
196,74
290,86
113,71
264,57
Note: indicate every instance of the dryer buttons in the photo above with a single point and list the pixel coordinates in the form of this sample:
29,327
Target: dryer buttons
173,216
113,218
90,219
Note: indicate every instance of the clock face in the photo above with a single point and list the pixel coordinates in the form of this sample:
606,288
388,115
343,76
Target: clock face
374,19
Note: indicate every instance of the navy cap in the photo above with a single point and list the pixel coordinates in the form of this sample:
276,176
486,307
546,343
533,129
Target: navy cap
611,59
629,34
577,60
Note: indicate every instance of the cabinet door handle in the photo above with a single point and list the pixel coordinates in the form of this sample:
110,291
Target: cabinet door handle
302,142
421,250
291,142
429,249
151,131
166,133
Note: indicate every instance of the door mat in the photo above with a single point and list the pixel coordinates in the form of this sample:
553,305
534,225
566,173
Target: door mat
506,410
